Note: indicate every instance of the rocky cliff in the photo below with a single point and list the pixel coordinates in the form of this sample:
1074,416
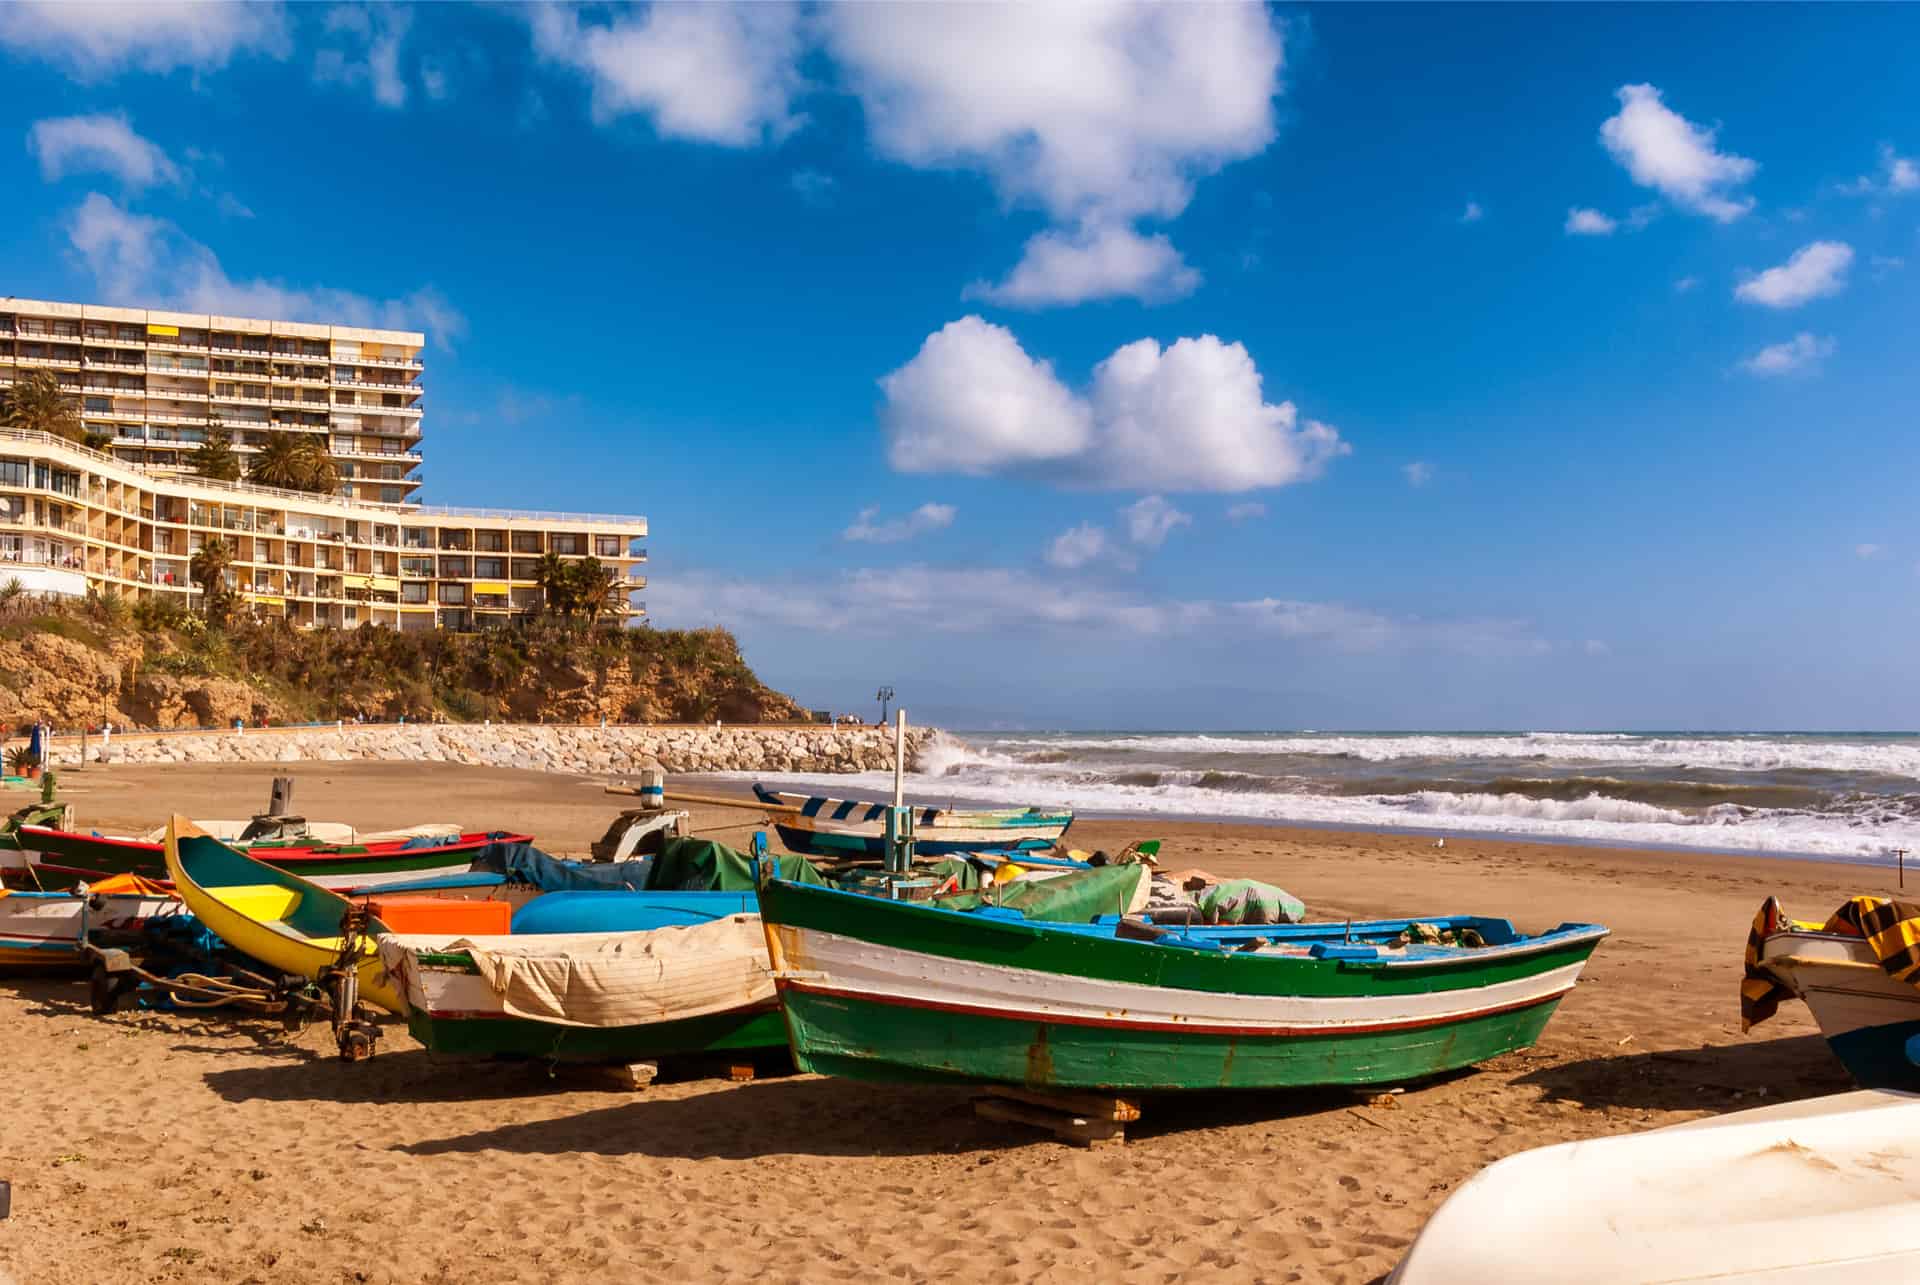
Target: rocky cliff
79,665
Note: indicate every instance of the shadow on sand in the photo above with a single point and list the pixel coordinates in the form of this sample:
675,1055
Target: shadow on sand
1723,1077
824,1117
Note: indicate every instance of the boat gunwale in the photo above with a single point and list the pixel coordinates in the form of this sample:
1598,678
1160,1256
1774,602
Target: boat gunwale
1563,937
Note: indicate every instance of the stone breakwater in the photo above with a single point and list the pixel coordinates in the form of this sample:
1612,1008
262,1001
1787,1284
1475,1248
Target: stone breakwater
578,751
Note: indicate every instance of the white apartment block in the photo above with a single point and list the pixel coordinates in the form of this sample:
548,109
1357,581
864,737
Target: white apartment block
74,520
155,382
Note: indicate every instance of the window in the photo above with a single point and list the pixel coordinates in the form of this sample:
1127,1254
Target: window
99,405
490,541
489,568
526,542
13,473
416,567
392,494
453,593
565,544
607,546
413,593
456,567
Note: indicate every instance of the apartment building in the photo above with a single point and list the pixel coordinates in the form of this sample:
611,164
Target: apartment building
74,519
155,382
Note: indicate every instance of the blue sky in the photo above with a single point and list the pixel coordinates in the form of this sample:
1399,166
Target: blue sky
1192,366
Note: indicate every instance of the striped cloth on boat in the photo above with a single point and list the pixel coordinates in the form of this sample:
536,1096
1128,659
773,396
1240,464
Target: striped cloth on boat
1891,928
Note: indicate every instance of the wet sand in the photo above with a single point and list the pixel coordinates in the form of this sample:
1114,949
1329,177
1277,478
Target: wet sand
150,1146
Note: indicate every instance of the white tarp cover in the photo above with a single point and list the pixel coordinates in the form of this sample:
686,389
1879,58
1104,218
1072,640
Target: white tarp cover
612,979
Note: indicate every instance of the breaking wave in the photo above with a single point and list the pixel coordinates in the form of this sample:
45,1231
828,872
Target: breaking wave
1854,798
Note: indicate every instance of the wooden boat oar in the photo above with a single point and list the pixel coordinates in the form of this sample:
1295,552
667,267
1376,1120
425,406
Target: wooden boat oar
714,800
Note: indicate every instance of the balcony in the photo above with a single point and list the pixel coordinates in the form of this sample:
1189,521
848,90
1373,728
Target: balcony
402,363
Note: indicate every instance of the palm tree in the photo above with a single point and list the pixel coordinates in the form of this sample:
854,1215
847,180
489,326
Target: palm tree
215,457
36,403
594,586
281,462
555,577
208,567
318,471
295,462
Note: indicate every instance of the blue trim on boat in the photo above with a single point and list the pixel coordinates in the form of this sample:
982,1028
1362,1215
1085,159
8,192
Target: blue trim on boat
432,883
1876,1056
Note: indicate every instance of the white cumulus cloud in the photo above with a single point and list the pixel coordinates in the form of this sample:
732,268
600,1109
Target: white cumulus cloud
141,261
712,73
1100,115
920,599
94,41
867,529
1868,550
1587,222
367,52
1663,150
972,401
1418,473
1107,261
1077,546
1188,417
1150,520
101,144
1815,271
1800,355
1898,174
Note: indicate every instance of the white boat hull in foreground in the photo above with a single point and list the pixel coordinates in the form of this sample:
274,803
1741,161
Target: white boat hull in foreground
1825,1190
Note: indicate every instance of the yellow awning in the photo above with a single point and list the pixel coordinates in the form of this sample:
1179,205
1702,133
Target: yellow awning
490,586
359,582
269,599
405,607
386,584
172,332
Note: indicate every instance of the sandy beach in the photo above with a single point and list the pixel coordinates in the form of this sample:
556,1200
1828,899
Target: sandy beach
198,1147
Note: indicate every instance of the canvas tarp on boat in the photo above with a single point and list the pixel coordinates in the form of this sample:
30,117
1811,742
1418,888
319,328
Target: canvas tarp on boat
1249,901
528,864
1077,897
701,865
612,979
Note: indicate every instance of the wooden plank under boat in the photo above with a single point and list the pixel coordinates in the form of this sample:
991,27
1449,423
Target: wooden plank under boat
822,826
1820,1190
892,990
1870,1019
269,913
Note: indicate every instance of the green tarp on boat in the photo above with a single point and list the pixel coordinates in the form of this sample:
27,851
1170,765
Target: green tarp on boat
1249,901
701,865
1075,898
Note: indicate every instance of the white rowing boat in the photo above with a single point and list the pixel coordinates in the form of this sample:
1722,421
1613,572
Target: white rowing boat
1819,1190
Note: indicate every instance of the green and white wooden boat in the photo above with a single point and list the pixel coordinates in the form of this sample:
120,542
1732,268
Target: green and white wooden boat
891,990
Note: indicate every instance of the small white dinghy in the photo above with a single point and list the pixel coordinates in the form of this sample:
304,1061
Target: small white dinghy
1821,1190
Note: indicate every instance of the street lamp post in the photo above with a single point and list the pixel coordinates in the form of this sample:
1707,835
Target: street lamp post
884,695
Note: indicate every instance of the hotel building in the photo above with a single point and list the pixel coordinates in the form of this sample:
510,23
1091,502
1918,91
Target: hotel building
155,382
129,518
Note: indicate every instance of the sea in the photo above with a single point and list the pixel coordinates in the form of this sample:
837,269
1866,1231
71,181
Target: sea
1840,796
